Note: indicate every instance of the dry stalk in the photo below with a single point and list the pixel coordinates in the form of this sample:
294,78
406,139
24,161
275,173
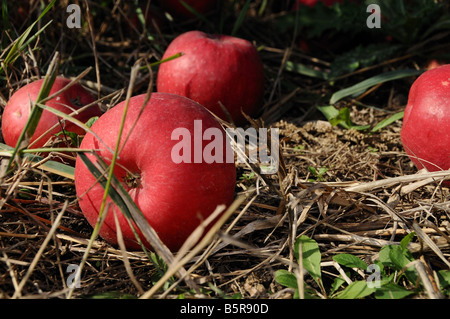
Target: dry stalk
182,260
18,291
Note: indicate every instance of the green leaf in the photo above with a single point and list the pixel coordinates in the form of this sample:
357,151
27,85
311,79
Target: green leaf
444,278
343,118
396,257
392,291
337,283
356,290
340,117
91,121
350,261
399,256
329,111
406,240
286,278
384,256
311,256
361,87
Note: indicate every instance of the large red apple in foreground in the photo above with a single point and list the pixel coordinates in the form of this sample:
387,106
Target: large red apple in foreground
172,186
215,69
17,111
426,122
178,9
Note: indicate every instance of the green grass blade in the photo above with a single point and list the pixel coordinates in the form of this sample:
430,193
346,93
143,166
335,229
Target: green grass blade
305,70
197,14
36,112
172,57
113,187
44,92
240,18
101,178
122,199
75,121
22,42
49,166
361,87
391,119
5,17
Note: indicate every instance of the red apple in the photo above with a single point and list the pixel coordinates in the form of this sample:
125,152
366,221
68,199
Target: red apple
153,17
17,111
426,122
312,3
176,8
215,69
174,195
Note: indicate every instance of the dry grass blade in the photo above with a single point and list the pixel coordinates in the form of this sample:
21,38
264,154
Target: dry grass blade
427,240
389,182
430,288
33,264
126,262
174,267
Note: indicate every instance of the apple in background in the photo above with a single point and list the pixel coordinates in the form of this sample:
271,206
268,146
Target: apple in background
176,8
426,122
18,13
214,70
153,17
17,111
174,196
312,3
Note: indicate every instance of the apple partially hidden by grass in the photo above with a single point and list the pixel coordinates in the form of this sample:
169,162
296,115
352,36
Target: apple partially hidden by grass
153,17
174,196
312,3
17,111
176,8
215,71
426,122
